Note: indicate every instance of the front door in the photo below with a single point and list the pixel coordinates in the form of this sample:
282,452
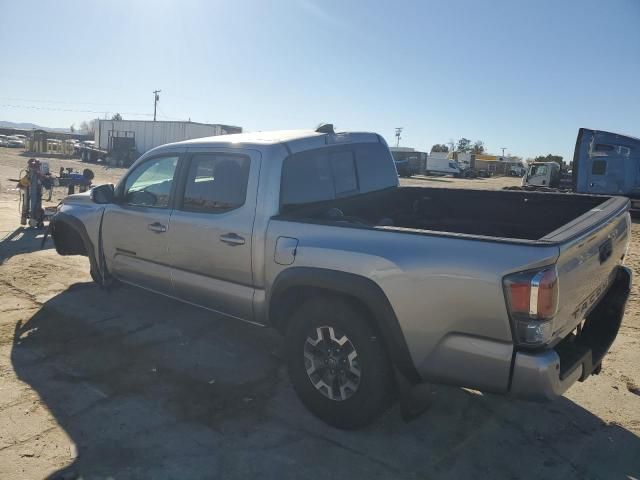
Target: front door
135,230
211,231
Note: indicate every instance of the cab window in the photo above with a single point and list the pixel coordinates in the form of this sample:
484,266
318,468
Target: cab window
149,184
216,183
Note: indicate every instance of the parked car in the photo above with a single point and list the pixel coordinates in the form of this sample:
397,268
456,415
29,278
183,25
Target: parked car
14,141
309,232
3,140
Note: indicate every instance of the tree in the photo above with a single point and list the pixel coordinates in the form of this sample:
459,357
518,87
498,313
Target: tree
72,128
478,147
439,147
550,158
117,116
89,128
464,145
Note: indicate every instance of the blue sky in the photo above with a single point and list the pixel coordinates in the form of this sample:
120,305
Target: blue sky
518,74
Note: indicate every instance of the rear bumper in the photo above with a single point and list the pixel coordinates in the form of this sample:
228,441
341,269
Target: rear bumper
547,374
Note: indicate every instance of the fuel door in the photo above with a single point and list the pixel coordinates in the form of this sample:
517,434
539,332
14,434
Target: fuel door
286,248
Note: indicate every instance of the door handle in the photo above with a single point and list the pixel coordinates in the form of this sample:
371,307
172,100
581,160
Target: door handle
157,227
232,239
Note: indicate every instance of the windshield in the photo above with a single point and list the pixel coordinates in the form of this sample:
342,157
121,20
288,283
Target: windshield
538,170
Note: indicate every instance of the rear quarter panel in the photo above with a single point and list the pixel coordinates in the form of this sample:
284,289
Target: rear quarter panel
446,292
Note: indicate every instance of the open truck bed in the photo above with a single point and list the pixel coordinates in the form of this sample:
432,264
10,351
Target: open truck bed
502,214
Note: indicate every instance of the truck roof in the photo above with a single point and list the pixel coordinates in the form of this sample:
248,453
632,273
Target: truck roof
277,137
263,138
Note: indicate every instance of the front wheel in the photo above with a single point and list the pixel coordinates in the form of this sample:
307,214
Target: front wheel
337,363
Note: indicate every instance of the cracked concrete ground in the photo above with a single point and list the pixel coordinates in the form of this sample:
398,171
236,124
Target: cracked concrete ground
125,384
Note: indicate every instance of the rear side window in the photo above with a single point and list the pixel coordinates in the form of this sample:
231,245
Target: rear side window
374,166
216,183
333,172
599,167
343,168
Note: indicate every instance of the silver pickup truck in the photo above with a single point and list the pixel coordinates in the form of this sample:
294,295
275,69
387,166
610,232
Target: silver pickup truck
372,284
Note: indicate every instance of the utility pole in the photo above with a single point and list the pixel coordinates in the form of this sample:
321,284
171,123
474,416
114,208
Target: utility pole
398,133
156,97
503,149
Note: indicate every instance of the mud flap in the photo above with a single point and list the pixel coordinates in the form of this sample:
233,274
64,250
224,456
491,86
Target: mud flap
413,400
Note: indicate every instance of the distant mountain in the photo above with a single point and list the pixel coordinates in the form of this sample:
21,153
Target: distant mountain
30,126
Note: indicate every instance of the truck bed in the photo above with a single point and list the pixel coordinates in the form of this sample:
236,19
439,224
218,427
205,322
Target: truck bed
502,214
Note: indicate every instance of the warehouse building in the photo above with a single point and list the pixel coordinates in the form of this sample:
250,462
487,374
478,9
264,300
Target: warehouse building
143,135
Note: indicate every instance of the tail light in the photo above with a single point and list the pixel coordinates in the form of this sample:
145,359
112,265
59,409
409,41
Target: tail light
532,300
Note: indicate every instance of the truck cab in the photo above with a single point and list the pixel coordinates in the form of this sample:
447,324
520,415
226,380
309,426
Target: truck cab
542,174
607,163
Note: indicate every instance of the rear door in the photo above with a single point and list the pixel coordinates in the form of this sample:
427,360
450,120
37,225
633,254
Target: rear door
135,230
212,228
607,163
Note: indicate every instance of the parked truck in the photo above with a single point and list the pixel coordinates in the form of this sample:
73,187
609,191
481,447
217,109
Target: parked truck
373,285
603,163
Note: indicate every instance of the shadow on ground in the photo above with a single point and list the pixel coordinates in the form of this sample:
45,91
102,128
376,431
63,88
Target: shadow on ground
58,156
23,240
147,387
428,178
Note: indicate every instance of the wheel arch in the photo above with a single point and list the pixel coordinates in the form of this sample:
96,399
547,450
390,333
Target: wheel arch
70,237
294,285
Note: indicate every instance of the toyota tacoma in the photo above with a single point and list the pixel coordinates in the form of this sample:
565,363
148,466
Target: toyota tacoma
371,283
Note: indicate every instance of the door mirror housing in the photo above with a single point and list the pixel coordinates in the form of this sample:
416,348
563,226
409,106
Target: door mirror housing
103,194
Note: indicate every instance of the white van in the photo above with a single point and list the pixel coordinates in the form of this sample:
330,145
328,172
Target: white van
442,163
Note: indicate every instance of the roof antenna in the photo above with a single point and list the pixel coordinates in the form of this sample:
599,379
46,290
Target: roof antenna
325,128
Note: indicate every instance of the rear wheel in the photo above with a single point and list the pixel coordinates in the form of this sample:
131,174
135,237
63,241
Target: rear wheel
337,364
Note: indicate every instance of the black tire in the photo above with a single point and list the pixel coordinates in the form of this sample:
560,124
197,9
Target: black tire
375,390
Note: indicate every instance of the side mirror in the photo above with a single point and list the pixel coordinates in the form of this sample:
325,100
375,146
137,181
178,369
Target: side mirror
103,194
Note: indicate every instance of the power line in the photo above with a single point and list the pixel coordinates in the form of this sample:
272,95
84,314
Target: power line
166,117
52,109
14,99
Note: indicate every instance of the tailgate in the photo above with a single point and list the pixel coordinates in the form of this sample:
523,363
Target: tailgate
591,247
